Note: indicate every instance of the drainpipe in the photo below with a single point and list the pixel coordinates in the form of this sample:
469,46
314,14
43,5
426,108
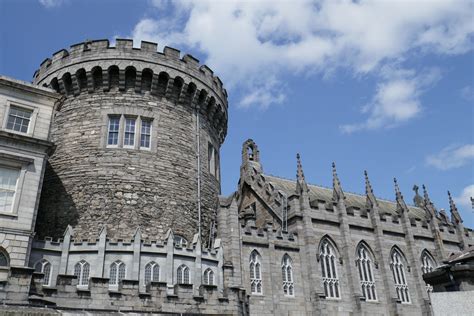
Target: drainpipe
198,158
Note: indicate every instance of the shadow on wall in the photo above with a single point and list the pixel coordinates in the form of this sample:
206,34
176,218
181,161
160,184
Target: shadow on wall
56,208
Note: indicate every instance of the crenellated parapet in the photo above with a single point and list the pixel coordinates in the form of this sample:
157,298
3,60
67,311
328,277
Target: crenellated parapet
96,65
165,274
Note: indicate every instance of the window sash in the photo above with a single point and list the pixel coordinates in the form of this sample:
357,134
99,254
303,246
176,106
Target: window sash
183,275
152,272
8,187
113,134
329,271
3,260
129,133
399,278
19,119
145,134
255,275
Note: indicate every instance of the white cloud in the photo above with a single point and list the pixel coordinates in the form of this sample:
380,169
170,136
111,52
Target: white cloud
51,3
464,199
450,157
249,41
397,99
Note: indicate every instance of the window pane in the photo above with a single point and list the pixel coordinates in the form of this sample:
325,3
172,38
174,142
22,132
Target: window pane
8,181
121,274
156,273
47,273
114,124
129,138
145,134
85,274
19,119
3,260
113,274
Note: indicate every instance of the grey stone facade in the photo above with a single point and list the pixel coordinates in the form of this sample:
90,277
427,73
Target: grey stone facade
101,185
24,153
112,213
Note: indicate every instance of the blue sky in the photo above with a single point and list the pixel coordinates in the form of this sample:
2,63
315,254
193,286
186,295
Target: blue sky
386,86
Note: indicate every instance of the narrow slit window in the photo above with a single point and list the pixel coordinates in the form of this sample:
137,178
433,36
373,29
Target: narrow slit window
212,160
255,273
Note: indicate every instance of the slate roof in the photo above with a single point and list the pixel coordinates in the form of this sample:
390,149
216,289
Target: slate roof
352,199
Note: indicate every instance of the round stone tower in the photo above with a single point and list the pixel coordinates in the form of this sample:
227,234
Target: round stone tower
137,139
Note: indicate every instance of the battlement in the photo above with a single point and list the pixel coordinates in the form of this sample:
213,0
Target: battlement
93,66
269,232
123,49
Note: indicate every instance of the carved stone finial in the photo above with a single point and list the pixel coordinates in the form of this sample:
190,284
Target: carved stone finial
338,193
455,216
397,188
417,199
428,205
301,185
371,199
399,197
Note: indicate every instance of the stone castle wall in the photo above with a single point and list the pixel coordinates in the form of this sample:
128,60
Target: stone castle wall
88,184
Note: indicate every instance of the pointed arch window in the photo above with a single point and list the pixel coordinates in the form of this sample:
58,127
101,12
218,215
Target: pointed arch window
3,258
209,277
287,276
399,277
44,266
180,241
183,274
152,272
117,272
366,274
255,273
428,264
327,256
81,271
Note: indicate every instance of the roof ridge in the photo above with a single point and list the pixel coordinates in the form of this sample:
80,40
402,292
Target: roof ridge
348,192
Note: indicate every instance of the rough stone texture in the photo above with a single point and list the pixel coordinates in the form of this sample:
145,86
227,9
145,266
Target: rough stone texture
316,213
89,185
452,303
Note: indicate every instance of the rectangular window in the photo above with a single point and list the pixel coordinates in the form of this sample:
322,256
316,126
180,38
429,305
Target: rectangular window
129,137
211,160
19,119
145,134
8,180
114,124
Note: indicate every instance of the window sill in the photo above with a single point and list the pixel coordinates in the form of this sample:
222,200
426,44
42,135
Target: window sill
333,298
18,133
8,214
